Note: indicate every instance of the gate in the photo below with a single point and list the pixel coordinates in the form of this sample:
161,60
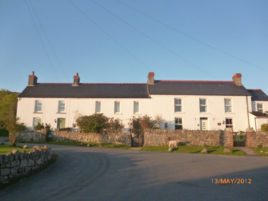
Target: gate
240,139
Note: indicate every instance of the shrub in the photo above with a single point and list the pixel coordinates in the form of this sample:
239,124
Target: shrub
264,127
115,125
93,123
3,132
39,126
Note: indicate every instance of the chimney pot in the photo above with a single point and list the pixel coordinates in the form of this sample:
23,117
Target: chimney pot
237,79
150,79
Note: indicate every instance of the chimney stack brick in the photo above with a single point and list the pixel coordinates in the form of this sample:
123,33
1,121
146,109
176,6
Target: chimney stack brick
237,79
150,80
76,80
32,80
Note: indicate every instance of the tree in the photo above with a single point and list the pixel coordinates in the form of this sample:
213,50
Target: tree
8,108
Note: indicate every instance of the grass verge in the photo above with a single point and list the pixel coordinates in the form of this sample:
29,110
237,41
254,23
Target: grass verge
195,149
262,151
5,149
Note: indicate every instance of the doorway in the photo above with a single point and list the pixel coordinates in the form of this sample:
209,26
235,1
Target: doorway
203,123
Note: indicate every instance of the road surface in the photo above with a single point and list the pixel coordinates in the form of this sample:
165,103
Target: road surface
89,174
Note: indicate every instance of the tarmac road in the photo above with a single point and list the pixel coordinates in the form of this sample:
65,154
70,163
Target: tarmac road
89,174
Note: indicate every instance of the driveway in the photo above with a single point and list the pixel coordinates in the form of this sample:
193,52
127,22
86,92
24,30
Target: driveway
88,174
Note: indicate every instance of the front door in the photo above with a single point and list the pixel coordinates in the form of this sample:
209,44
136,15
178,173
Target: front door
203,124
61,123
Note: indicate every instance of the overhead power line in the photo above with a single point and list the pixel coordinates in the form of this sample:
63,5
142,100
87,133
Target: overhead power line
181,32
147,36
107,34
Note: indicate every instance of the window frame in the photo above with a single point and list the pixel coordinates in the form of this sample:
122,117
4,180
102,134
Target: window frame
136,107
60,104
116,107
178,124
36,120
38,106
202,105
227,106
260,110
97,106
229,125
177,105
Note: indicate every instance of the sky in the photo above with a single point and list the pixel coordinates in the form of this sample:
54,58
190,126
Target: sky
122,40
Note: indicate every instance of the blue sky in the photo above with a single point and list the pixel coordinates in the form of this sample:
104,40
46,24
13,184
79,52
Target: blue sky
121,40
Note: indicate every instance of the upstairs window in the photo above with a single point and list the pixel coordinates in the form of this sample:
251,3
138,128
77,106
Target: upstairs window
136,107
259,107
116,107
202,105
97,107
178,123
61,106
177,105
227,105
38,106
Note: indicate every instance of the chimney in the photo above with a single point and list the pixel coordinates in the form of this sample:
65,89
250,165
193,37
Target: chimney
237,79
32,80
150,80
76,81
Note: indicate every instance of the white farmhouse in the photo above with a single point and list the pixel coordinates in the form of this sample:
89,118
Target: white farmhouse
194,105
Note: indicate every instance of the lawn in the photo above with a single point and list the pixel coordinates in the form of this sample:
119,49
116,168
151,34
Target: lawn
194,149
262,151
4,149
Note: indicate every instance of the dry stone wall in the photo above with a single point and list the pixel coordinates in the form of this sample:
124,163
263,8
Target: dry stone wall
32,136
255,139
192,137
15,165
94,138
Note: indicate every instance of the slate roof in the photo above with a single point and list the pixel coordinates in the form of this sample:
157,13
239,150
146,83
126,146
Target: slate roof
258,95
259,114
53,90
217,88
133,90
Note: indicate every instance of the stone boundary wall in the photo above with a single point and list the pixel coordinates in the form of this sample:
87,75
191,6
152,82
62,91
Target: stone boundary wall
255,139
192,137
32,136
95,138
16,164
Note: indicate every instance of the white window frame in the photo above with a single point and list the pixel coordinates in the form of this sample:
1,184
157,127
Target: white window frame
177,105
116,107
259,107
202,105
38,106
178,122
61,106
97,106
136,107
228,125
227,106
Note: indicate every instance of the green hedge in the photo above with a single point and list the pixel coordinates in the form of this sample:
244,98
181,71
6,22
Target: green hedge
264,127
3,133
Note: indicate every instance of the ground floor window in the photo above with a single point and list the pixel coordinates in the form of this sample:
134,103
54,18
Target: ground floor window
178,123
229,123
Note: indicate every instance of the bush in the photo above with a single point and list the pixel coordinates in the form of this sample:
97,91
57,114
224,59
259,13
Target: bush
93,123
39,126
114,125
264,127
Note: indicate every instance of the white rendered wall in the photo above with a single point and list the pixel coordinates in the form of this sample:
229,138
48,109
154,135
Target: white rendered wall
264,105
157,105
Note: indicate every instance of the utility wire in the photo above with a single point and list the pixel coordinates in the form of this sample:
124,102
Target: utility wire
181,32
108,35
156,42
38,27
